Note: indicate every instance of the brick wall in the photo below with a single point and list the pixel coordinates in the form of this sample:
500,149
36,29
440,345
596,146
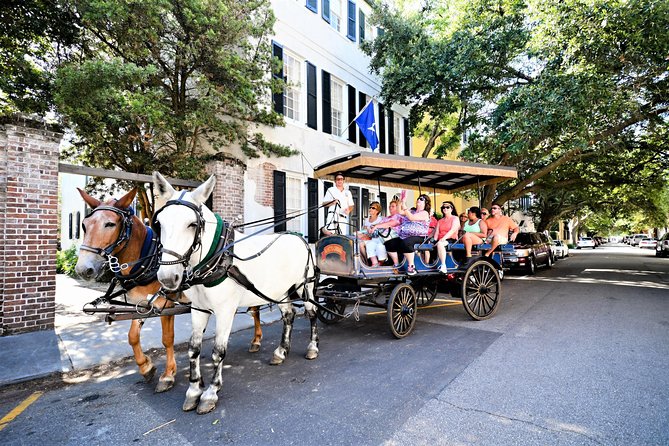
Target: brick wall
28,224
264,180
228,195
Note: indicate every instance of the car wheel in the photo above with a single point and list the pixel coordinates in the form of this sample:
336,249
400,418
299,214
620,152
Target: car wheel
532,267
549,262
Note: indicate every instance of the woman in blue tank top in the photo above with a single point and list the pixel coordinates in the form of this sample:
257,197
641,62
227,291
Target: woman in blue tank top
475,230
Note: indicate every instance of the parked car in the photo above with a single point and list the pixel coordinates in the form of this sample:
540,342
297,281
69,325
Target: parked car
662,247
585,242
636,238
648,243
530,249
560,249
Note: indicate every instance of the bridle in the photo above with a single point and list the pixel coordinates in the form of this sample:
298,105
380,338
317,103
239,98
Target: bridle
122,239
197,240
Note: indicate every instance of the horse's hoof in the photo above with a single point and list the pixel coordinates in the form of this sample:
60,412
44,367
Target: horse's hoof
165,384
205,406
277,360
254,348
190,404
148,376
311,354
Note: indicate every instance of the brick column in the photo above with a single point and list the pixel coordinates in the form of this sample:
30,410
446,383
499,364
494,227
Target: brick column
28,224
228,195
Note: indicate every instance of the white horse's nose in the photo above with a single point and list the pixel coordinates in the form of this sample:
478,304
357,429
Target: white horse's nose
169,280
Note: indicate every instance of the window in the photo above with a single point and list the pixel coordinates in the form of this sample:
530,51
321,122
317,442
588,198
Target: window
337,106
312,5
69,231
335,14
292,69
365,28
396,132
350,30
293,203
77,232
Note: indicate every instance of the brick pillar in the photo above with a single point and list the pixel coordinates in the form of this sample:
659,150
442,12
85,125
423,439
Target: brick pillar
228,195
28,224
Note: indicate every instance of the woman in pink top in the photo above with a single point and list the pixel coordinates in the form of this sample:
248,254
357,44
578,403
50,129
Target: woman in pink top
447,229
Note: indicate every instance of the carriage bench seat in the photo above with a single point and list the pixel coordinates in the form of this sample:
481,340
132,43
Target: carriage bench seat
481,247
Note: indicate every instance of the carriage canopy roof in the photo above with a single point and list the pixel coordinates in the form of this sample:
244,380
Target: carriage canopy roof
443,176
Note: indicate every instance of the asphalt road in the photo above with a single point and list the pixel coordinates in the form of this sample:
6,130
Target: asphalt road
576,355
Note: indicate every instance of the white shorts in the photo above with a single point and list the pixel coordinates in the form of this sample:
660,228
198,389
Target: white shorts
376,248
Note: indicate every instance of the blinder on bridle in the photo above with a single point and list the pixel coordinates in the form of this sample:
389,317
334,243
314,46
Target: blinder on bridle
197,241
123,235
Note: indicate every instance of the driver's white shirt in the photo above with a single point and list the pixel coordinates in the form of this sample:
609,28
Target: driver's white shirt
345,201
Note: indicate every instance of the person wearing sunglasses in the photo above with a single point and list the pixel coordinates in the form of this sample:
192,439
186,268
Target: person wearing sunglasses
412,230
339,201
371,246
446,231
475,230
499,226
485,214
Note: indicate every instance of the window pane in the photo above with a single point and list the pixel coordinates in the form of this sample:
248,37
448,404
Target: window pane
337,105
292,69
335,14
293,203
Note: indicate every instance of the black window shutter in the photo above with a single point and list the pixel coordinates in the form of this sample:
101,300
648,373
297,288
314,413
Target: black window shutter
313,5
383,198
355,214
382,129
352,112
326,185
77,233
312,205
277,98
365,202
312,104
325,10
362,101
391,132
326,107
361,26
407,144
279,199
351,21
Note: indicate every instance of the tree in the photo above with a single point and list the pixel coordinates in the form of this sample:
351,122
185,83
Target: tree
539,85
167,85
34,36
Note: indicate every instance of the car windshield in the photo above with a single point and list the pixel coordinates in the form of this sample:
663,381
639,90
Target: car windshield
586,239
524,238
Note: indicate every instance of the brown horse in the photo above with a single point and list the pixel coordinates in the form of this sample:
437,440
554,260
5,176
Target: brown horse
112,231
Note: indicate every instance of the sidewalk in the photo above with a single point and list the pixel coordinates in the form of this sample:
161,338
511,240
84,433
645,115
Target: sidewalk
80,341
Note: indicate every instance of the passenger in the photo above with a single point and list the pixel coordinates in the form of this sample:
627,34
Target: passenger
463,220
484,213
383,232
475,230
366,236
499,226
337,219
413,229
446,231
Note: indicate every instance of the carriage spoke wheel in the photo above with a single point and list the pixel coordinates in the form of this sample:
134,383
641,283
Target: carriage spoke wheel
481,290
402,306
329,317
426,291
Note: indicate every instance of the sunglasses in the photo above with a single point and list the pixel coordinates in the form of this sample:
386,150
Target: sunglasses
446,207
484,213
495,207
421,198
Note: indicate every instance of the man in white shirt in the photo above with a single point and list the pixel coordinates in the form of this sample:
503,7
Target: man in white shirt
340,204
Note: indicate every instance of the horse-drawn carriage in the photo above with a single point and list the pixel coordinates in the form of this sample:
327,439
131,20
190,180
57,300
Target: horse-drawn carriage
353,281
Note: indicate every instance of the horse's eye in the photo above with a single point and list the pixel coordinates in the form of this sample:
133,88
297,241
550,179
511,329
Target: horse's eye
110,224
193,225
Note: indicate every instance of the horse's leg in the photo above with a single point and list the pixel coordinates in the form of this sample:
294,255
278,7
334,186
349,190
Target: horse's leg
257,334
224,319
196,387
146,367
310,310
166,381
287,316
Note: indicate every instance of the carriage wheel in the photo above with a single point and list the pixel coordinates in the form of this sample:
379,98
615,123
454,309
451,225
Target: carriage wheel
481,289
426,291
402,308
326,316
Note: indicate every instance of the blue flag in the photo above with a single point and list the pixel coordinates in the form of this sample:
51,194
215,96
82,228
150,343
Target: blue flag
367,123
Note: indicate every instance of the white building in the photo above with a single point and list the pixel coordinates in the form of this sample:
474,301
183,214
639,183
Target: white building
328,83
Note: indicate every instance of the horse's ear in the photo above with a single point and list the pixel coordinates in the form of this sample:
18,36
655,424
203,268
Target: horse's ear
125,201
92,202
203,191
165,190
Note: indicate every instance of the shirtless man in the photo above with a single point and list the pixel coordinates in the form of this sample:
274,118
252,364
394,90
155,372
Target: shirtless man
500,225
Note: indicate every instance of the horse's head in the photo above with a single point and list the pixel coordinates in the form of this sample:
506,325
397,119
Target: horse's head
102,230
179,224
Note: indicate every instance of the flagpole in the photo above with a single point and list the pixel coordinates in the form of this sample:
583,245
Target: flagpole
356,117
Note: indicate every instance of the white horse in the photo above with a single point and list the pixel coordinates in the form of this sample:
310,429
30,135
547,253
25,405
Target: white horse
278,266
